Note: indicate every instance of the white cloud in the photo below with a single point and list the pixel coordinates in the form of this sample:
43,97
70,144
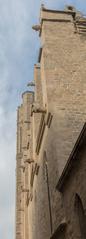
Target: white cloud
14,22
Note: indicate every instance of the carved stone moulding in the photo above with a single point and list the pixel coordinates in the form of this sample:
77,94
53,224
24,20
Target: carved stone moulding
29,161
36,108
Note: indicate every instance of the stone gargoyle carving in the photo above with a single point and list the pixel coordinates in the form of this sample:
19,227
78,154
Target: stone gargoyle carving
24,190
36,27
36,108
29,161
31,83
43,6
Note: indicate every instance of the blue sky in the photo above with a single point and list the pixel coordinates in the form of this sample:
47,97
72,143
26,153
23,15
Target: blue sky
19,46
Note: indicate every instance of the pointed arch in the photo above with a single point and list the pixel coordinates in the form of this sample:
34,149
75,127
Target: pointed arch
79,210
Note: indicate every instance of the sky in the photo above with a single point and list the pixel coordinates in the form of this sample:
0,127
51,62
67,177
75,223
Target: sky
19,46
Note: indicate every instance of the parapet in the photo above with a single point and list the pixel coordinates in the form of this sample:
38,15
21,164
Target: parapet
53,15
67,15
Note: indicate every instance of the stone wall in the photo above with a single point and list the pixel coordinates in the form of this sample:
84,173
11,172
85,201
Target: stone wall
23,126
63,70
75,184
52,121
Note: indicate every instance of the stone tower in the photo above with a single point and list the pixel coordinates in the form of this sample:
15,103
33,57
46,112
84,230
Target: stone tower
22,188
50,121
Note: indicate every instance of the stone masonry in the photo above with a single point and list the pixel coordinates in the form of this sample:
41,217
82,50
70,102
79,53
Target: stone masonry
49,122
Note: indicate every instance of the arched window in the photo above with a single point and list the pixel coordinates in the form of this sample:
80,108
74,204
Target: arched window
80,215
60,232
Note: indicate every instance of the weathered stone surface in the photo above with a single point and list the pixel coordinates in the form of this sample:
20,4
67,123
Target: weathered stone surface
47,138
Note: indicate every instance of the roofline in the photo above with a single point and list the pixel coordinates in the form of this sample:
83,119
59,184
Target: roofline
71,159
58,11
42,19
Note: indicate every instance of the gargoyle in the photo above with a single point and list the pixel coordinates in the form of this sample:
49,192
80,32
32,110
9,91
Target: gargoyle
43,6
31,83
37,109
29,161
36,27
24,190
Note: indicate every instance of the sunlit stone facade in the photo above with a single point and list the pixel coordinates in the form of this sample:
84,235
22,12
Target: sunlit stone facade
51,133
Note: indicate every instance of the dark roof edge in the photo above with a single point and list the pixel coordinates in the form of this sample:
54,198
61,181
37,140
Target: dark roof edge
71,159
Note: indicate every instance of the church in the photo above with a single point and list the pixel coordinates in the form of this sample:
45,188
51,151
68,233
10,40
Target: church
51,133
